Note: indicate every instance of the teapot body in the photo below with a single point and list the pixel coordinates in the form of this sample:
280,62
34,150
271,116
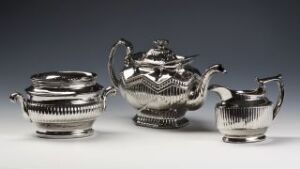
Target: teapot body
145,90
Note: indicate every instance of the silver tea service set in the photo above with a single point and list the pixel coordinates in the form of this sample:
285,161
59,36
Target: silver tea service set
160,84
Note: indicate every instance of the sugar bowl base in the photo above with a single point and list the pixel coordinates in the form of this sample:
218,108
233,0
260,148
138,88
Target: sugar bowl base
64,130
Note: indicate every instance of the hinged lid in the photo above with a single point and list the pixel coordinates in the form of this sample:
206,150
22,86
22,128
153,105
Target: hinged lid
161,55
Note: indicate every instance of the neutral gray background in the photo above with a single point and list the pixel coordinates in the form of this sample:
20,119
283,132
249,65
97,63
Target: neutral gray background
249,37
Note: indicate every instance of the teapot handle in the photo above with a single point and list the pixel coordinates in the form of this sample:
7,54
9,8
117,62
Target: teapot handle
280,84
129,51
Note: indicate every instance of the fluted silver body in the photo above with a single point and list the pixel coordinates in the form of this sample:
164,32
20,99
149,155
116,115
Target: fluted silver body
63,104
244,116
48,113
243,122
161,85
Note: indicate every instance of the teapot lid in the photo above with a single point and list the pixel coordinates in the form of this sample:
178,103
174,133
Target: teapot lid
63,83
161,55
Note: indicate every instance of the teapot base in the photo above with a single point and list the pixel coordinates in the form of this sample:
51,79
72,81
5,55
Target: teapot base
170,119
252,139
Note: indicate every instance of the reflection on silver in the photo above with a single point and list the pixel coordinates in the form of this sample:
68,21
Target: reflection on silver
63,104
244,116
162,86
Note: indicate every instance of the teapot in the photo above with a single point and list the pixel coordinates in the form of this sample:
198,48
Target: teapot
161,85
243,116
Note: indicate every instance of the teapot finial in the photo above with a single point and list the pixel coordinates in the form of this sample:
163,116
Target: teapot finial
161,43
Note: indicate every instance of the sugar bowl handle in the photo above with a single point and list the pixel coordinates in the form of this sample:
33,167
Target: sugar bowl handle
109,91
280,84
19,98
129,51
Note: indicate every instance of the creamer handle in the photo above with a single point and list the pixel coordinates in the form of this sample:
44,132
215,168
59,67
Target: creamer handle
280,84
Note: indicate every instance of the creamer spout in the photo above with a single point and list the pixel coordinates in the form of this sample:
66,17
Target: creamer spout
223,92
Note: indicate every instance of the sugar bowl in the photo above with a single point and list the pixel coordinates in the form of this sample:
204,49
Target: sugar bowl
63,104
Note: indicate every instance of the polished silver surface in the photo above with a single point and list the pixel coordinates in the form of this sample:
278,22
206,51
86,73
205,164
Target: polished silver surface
161,85
244,116
63,104
249,139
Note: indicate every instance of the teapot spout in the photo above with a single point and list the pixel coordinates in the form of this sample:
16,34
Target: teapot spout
197,95
209,72
223,92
